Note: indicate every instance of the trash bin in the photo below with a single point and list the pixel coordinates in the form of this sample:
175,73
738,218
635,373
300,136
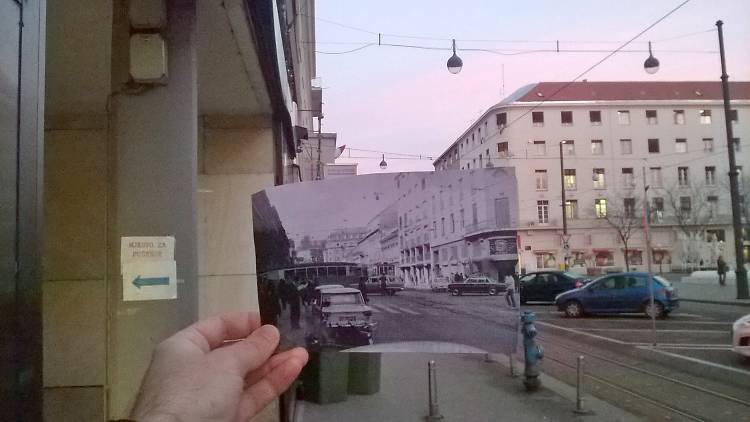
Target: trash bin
364,373
324,379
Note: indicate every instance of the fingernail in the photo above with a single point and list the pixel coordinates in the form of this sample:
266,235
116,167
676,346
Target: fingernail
269,331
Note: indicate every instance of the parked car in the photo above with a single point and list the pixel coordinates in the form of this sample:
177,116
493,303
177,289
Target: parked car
619,293
373,285
477,284
440,284
741,336
544,286
343,317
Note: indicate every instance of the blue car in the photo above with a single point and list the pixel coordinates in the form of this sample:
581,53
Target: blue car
619,293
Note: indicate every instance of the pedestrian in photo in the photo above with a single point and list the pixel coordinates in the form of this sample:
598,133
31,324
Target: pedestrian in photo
383,285
362,286
510,293
281,291
721,268
294,306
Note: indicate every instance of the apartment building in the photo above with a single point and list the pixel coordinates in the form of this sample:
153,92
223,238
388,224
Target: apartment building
609,134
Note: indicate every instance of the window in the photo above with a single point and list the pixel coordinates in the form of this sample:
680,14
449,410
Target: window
680,145
600,207
623,117
502,149
502,119
472,139
710,175
569,147
605,259
474,215
541,179
657,209
461,218
718,234
479,135
571,209
705,117
599,179
537,118
566,117
713,206
679,117
656,179
626,146
736,143
569,179
542,211
545,260
540,148
434,229
733,116
653,146
651,117
597,147
595,117
628,205
683,176
628,178
685,206
480,161
442,225
708,144
453,224
636,258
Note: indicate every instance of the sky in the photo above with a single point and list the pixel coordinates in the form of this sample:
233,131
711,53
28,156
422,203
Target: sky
404,100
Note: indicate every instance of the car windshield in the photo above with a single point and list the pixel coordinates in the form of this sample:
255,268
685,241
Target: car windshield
343,299
573,275
663,281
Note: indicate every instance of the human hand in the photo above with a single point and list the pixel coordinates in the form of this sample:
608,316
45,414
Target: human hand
196,375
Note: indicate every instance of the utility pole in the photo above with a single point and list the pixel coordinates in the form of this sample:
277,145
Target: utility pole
566,246
734,191
647,239
320,131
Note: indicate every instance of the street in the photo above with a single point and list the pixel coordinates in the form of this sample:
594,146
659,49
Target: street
689,375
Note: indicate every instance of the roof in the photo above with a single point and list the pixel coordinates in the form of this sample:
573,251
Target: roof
340,290
633,91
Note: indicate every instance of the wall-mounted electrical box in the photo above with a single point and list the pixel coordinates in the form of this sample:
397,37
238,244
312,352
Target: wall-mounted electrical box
148,58
147,14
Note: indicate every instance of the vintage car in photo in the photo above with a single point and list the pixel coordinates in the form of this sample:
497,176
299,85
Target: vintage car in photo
341,317
374,285
477,284
741,336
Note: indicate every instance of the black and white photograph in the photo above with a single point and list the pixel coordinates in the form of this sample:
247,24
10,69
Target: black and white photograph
403,262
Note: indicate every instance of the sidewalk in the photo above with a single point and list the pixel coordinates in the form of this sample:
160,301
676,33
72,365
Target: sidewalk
704,288
469,389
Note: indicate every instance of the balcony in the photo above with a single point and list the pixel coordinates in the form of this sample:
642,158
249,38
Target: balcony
482,226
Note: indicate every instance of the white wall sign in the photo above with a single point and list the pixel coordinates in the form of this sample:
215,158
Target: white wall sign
149,271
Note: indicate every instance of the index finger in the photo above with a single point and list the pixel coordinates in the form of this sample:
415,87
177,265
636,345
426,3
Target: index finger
210,333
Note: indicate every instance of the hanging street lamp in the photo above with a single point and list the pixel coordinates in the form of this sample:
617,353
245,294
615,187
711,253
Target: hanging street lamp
651,65
455,63
383,164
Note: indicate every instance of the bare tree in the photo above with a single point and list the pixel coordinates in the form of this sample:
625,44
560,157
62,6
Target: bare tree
692,209
623,214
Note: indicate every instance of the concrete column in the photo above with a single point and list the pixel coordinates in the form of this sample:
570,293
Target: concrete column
152,156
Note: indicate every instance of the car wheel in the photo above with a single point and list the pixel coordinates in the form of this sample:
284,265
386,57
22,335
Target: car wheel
573,309
493,291
456,292
657,311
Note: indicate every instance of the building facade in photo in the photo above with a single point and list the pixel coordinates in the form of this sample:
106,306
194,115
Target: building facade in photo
609,134
341,243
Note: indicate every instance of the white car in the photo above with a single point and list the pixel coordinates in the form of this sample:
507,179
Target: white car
741,336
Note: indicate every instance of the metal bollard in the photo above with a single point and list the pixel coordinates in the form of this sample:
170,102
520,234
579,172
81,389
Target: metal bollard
512,360
580,407
432,393
533,353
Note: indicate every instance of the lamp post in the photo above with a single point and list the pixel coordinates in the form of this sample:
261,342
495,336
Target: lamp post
566,246
651,66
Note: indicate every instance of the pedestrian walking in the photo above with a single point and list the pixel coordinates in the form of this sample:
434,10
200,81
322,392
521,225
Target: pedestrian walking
282,291
510,293
362,285
721,268
383,285
294,306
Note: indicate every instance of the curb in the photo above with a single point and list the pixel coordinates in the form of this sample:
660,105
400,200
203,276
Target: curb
716,302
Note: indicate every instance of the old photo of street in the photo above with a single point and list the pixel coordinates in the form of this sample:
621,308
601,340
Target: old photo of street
421,262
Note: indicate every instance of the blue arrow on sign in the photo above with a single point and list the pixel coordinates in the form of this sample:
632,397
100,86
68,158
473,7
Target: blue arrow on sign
150,281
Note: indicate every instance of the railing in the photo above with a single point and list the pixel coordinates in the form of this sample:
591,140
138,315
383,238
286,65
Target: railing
482,225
